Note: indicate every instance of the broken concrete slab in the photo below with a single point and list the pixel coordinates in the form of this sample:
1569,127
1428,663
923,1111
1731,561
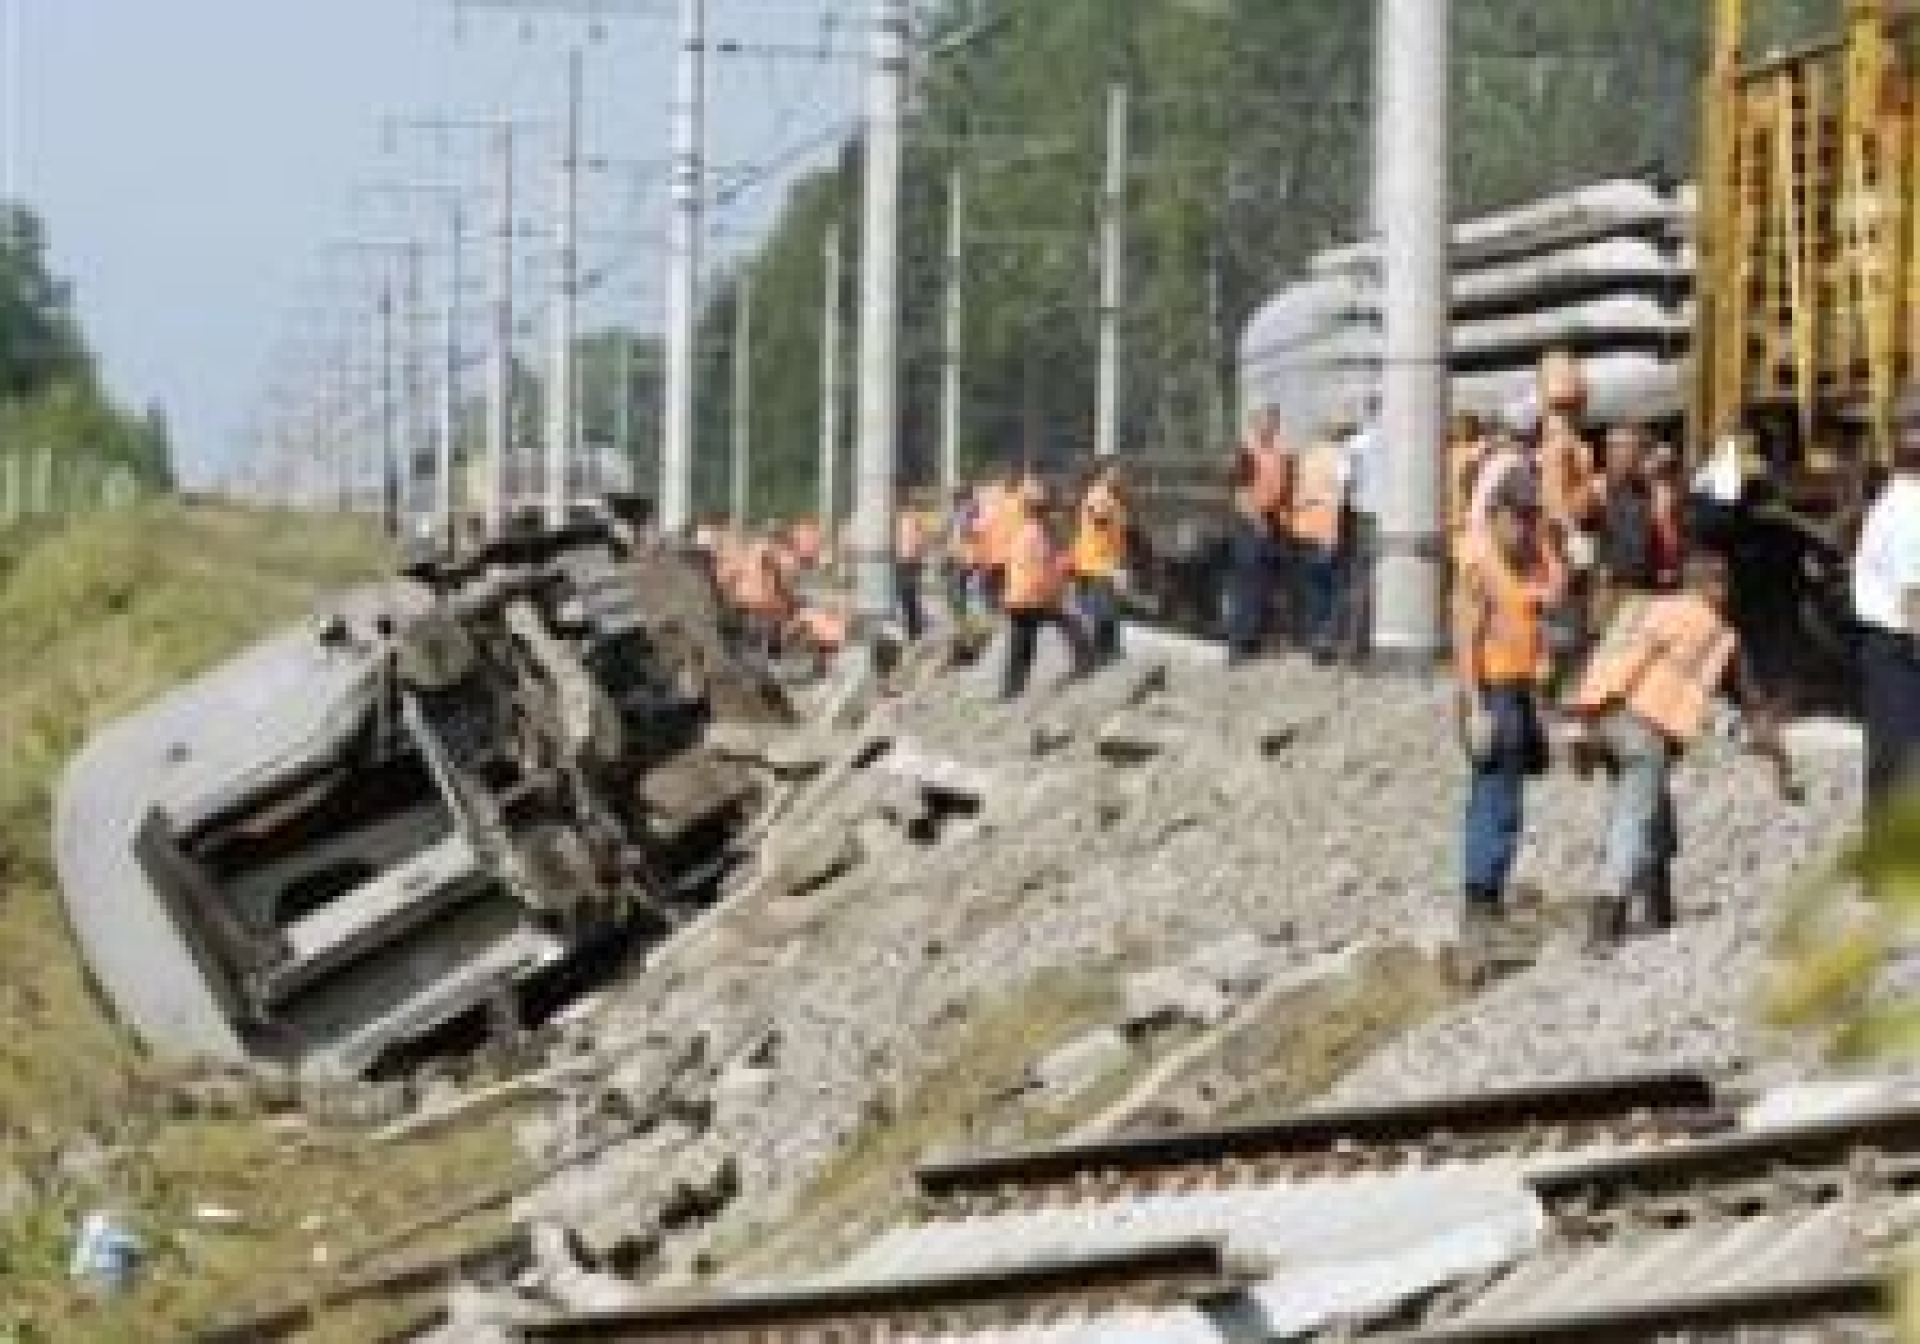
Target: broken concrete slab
1146,641
1082,1063
475,1315
810,860
1134,738
742,1089
563,1276
1049,737
1241,963
462,1106
1173,996
941,774
790,753
1146,681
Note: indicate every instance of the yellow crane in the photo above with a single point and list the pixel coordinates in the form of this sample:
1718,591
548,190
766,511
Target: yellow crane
1808,266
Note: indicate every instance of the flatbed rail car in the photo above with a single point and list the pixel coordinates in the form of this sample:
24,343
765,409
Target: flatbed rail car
1808,274
426,803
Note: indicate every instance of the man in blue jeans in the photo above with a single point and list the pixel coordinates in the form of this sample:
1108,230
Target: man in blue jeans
1500,650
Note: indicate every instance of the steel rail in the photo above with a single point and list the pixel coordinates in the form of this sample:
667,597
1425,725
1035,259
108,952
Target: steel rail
1175,1272
1809,1301
1681,1100
1730,1157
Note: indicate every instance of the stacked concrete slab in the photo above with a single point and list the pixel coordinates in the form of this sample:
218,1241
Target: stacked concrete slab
1605,271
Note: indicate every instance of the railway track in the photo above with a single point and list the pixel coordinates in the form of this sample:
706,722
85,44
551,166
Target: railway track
1641,1109
1133,1287
1786,1234
1648,1216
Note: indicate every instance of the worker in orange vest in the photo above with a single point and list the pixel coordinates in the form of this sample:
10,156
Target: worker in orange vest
1035,596
910,569
1669,514
1260,482
1508,576
1642,701
1467,449
1099,557
1570,493
804,541
1001,514
1316,511
762,593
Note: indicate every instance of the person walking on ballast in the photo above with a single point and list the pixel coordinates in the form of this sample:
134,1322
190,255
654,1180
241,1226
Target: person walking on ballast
1509,575
1642,701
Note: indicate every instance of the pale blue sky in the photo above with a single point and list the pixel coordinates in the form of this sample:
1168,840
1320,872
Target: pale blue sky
194,158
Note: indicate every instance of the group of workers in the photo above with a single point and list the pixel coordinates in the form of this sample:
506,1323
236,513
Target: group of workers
1582,624
1299,541
1579,612
1003,551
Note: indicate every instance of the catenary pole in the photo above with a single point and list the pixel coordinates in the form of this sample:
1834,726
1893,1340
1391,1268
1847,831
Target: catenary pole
1413,204
1113,224
829,481
560,386
389,417
446,490
500,381
740,476
954,318
683,268
878,428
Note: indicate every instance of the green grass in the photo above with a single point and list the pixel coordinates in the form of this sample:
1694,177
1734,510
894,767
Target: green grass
96,618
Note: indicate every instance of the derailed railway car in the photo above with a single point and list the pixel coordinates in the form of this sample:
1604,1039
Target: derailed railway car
421,805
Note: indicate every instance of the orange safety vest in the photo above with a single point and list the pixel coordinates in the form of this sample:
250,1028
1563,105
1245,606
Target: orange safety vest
1663,660
1669,528
803,539
1317,495
1464,457
1268,489
1100,533
823,627
1036,578
1001,514
909,537
1566,472
759,583
1512,648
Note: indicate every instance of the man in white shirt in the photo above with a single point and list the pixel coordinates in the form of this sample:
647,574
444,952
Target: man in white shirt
1886,598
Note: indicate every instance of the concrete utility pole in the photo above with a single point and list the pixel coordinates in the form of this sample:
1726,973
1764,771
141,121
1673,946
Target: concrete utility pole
740,478
560,388
419,431
1416,228
877,446
500,383
683,269
954,332
389,427
830,391
623,412
446,490
1113,243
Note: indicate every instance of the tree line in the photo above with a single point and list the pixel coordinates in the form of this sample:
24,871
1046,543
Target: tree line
1249,133
64,445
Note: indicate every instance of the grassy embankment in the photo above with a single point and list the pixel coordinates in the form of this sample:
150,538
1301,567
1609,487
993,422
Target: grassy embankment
96,618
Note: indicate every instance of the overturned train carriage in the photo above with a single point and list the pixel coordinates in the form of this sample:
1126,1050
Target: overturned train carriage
428,802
